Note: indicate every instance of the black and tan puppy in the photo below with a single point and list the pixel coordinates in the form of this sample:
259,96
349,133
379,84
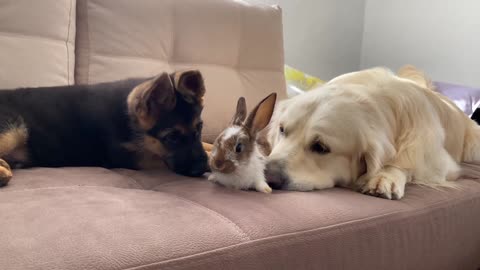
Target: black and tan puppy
135,123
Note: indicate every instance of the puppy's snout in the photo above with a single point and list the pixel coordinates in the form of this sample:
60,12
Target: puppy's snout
275,174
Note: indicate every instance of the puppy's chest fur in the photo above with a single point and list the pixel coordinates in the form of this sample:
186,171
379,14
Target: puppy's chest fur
72,125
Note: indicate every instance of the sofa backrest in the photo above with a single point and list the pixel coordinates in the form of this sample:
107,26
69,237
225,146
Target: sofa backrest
237,46
37,43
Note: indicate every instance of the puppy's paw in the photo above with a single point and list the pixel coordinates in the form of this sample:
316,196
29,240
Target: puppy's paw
5,173
384,185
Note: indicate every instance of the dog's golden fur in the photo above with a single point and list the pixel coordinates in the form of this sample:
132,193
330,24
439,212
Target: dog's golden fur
372,129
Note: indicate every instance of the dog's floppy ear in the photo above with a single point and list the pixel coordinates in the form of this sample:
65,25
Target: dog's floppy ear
240,113
190,85
150,98
260,116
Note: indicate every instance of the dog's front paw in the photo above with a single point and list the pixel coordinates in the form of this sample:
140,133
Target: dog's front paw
5,173
384,185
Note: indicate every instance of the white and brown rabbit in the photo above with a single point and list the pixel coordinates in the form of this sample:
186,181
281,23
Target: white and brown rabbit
237,159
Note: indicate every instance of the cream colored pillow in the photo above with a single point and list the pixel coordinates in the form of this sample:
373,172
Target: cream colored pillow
37,43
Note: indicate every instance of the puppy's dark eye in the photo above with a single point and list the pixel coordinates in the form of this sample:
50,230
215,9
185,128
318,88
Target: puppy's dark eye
282,130
199,126
319,148
171,138
239,147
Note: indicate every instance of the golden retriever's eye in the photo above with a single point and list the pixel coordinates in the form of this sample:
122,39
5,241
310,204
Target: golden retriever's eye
319,148
239,147
282,130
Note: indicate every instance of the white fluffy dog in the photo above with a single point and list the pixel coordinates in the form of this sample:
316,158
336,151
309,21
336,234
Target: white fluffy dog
372,130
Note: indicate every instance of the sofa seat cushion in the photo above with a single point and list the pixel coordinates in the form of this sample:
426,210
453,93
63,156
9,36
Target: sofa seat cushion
37,41
93,218
238,47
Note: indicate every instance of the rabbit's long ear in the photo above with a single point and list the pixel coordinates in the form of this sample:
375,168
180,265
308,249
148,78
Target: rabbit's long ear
260,116
240,113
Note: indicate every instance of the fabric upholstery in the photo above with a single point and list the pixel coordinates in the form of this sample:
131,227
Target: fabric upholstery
37,41
93,218
237,46
466,98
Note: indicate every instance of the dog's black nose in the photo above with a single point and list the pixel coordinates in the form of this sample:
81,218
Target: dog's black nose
197,168
275,174
192,172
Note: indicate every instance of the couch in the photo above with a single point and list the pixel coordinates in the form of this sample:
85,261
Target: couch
94,218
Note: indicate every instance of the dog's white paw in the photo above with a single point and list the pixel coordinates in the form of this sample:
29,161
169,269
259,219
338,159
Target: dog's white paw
384,185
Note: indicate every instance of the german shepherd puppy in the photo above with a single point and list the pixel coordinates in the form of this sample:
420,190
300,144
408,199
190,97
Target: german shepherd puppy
135,123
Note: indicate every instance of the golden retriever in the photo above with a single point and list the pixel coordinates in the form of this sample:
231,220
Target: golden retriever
372,130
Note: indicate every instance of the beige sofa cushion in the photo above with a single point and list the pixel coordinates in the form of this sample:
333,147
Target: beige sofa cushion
237,46
93,218
37,41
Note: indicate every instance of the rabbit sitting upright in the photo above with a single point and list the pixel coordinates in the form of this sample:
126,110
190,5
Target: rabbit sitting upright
237,159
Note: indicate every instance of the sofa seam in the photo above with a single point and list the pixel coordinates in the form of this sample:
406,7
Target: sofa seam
29,36
131,178
237,228
275,239
66,42
241,36
89,42
242,234
165,184
173,35
130,57
152,59
65,187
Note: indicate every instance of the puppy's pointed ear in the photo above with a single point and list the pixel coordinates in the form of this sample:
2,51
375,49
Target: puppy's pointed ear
190,85
240,113
260,116
149,99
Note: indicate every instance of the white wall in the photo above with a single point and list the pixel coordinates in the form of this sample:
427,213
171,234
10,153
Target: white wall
322,37
442,37
329,37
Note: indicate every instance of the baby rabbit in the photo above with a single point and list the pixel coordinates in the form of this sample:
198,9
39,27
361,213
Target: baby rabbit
236,159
